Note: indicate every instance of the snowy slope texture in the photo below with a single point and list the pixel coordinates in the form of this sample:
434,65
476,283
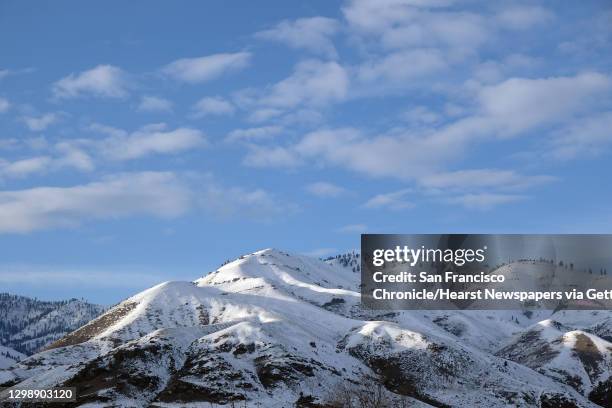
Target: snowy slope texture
8,357
272,329
27,324
349,260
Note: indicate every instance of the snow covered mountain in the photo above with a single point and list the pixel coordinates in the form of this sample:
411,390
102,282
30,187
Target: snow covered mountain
27,324
272,329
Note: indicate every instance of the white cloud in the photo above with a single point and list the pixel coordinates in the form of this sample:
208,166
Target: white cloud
325,189
349,148
156,194
297,99
148,140
4,105
194,70
264,114
353,229
459,33
586,137
485,201
62,155
421,115
152,193
38,123
522,17
253,134
519,104
312,82
513,107
271,156
418,157
311,34
105,81
405,156
213,106
409,24
398,68
24,167
154,104
228,202
391,201
482,178
371,16
73,156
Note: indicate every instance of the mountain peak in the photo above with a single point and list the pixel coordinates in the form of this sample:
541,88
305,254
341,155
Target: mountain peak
272,328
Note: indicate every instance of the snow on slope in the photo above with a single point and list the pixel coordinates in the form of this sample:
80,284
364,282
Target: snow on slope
8,357
557,349
273,329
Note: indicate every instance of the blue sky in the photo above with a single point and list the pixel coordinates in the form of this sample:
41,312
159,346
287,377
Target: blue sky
147,141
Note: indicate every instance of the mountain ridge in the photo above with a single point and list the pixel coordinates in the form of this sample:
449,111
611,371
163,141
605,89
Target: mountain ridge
28,324
277,329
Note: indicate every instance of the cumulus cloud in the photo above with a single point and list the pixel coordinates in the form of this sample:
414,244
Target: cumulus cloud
24,167
519,104
405,156
57,157
297,99
73,156
84,154
511,108
376,16
264,114
312,82
148,140
411,157
271,156
153,193
253,134
212,106
409,24
156,194
104,81
325,189
400,67
38,123
312,34
154,104
201,69
392,201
